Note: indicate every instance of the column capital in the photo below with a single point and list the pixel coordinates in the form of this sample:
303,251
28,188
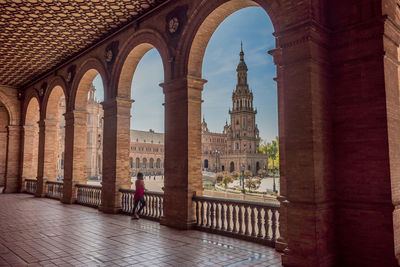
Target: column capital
183,82
117,101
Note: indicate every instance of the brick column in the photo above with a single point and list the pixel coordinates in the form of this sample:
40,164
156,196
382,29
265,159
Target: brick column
29,162
3,155
182,168
306,147
116,148
47,160
13,154
74,154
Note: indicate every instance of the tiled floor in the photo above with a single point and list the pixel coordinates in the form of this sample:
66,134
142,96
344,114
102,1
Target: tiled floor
44,232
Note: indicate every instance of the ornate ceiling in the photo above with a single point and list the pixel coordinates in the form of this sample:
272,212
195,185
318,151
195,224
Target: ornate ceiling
37,35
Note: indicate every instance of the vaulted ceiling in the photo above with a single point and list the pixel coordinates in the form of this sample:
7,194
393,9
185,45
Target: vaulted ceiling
38,35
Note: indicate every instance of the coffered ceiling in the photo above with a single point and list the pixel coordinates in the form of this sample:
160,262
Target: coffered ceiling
37,35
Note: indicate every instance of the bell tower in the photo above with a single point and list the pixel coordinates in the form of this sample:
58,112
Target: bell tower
244,135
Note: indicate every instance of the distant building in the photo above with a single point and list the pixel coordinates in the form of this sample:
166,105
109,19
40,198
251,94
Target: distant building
237,147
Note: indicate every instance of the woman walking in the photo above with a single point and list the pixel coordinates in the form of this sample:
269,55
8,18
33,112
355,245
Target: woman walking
139,196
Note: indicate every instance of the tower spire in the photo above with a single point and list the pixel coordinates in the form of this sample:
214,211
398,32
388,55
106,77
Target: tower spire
241,52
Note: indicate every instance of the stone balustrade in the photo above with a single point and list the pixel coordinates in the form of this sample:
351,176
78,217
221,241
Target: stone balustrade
30,186
54,189
249,220
89,195
154,203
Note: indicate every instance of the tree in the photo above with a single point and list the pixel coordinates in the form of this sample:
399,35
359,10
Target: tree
272,150
247,174
227,178
253,184
219,176
262,172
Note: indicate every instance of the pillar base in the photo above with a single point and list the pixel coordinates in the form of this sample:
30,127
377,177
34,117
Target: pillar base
67,200
181,225
280,245
109,210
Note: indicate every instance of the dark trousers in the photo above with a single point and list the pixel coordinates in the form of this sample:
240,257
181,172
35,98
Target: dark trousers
142,204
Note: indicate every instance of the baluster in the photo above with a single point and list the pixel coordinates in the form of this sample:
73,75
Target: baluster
123,202
222,216
234,218
202,214
246,220
153,206
197,212
158,207
259,223
161,206
228,217
212,215
217,216
253,221
240,218
273,218
266,224
208,207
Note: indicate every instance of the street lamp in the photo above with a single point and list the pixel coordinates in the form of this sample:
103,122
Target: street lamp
216,160
243,191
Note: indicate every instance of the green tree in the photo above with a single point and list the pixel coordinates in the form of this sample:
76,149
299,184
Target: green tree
253,184
272,150
219,176
227,178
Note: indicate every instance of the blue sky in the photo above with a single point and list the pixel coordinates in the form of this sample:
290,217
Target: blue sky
250,25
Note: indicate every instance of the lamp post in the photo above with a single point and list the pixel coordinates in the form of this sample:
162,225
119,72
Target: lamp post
216,160
243,191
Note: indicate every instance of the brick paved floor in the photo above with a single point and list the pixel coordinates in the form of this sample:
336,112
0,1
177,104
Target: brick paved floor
44,232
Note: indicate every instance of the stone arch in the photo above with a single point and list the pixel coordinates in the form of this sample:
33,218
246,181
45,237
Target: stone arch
206,20
158,163
4,122
137,163
81,84
52,132
31,139
151,163
144,163
232,167
12,110
132,52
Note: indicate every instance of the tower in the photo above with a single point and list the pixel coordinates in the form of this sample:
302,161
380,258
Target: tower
243,136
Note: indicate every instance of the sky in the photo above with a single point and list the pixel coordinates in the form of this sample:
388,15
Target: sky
253,27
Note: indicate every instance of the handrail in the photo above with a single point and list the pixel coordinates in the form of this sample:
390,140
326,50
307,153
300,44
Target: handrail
88,186
238,201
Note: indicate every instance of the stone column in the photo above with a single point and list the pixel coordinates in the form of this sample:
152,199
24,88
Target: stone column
29,162
13,156
116,148
307,193
3,155
182,168
47,160
74,154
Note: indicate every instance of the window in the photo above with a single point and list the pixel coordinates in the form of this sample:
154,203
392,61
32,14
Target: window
88,138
